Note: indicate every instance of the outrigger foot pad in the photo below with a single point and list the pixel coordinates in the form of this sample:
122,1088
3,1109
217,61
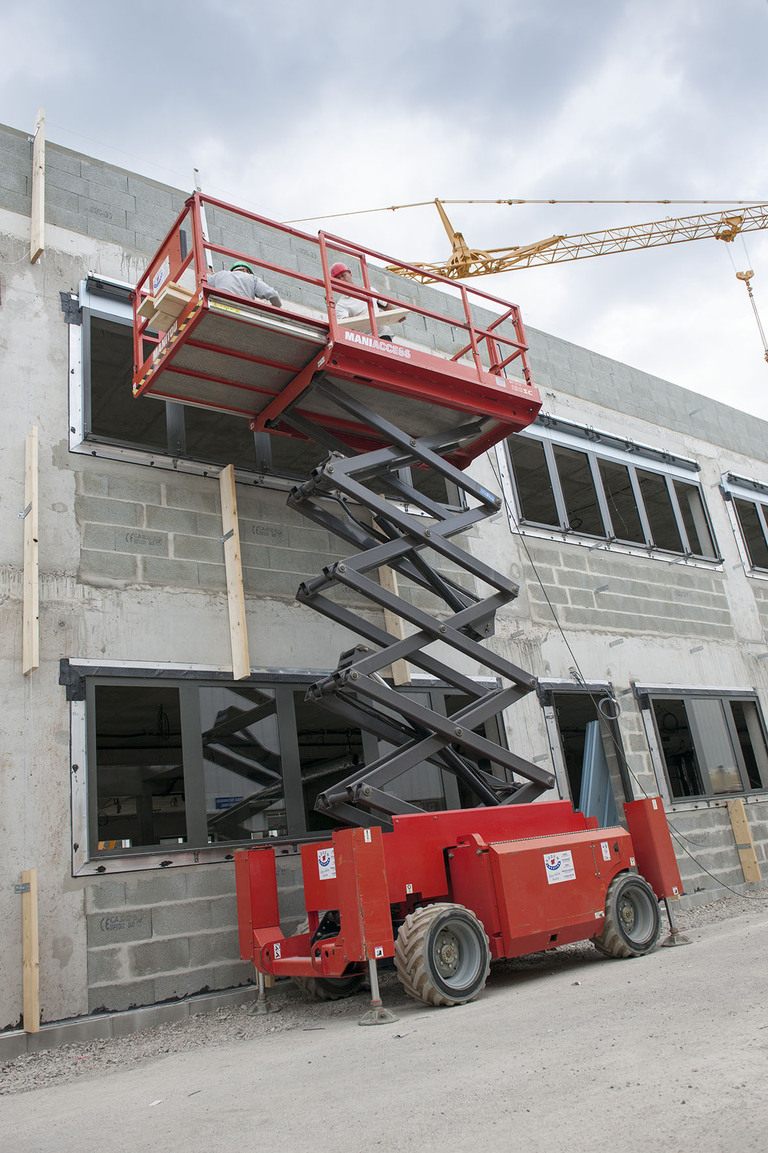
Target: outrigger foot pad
378,1015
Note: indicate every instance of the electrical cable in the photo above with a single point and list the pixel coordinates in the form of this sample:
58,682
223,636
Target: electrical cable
679,837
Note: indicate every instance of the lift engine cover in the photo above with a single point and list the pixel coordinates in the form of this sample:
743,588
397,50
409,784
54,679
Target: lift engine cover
551,890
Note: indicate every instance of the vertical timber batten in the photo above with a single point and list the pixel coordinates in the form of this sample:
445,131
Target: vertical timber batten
238,632
30,947
30,644
742,835
37,213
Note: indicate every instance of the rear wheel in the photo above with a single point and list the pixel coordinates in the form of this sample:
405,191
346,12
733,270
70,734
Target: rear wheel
632,918
442,955
330,988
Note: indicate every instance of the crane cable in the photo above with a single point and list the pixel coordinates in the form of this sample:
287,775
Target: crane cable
746,279
431,203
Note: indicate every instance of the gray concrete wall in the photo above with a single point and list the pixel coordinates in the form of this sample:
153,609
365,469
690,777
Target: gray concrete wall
131,570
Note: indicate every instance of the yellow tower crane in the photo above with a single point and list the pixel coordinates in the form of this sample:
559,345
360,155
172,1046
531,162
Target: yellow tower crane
465,261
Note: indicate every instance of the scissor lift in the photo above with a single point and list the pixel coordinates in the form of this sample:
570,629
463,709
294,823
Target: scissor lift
382,409
444,893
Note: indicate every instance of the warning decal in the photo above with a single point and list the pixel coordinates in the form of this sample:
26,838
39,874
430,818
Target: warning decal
326,864
559,867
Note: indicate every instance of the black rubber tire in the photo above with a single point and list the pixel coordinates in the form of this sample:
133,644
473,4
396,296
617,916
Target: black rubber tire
632,919
442,955
327,988
330,988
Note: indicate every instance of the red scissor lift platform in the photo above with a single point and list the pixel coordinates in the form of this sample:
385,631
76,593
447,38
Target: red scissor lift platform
443,892
212,349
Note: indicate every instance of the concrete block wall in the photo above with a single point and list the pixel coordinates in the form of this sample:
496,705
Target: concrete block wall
625,594
171,934
703,835
166,530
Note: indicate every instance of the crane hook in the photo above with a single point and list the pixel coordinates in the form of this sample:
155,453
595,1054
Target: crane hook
746,278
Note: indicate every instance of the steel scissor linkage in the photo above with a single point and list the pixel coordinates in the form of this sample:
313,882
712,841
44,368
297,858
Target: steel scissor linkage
370,501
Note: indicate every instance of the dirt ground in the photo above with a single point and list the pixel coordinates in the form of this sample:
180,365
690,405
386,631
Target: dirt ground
87,1058
564,1049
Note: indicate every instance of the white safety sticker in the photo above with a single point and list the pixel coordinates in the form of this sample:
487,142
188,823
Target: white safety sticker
631,862
366,834
378,951
161,275
408,889
559,867
654,804
277,950
600,913
606,850
326,864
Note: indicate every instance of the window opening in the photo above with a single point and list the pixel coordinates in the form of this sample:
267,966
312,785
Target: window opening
329,750
694,518
140,795
579,492
593,756
242,764
712,746
536,499
752,523
593,493
112,419
622,502
661,515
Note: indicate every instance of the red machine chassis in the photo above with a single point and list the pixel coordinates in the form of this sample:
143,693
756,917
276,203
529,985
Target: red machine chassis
535,875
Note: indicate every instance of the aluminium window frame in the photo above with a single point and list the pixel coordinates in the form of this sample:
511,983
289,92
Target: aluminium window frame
646,694
106,299
732,488
81,677
598,446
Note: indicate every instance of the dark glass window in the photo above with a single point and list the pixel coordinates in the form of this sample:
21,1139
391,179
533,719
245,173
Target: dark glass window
752,532
601,497
579,492
694,519
712,746
661,515
534,491
622,505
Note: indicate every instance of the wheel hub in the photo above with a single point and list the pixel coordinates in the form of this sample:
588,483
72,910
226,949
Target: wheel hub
627,915
447,954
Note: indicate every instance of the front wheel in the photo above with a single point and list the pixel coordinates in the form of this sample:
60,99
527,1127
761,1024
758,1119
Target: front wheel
442,955
632,918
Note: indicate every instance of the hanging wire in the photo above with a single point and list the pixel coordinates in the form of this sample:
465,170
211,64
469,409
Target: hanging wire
746,278
598,701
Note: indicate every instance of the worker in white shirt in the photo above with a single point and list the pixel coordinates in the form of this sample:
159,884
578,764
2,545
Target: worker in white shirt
348,306
242,281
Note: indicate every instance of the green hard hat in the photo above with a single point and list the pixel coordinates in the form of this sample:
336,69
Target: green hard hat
242,264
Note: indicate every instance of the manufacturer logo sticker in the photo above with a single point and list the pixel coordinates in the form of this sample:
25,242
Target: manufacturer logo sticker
326,864
559,867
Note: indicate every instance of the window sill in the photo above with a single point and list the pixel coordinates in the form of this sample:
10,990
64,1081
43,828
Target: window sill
136,861
718,802
714,564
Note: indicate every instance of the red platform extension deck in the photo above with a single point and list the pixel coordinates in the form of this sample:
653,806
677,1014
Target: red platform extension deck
212,349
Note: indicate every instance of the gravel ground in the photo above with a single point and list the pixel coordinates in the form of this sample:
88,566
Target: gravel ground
296,1012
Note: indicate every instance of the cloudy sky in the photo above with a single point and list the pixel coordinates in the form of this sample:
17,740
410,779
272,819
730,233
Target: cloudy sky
304,108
